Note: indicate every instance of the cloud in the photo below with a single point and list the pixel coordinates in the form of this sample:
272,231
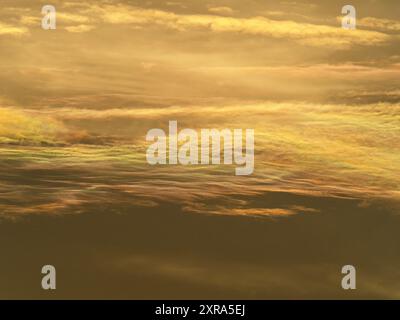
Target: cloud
17,127
7,29
99,104
379,24
30,20
221,10
305,33
246,210
72,18
302,149
311,34
80,28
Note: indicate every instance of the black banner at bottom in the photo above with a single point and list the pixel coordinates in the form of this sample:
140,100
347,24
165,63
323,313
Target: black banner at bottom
183,309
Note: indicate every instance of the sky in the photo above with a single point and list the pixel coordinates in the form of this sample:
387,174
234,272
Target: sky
115,54
76,104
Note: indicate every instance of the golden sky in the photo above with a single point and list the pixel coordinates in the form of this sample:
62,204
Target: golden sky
108,54
322,99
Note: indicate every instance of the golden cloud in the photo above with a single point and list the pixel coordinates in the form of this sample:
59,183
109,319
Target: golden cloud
319,35
80,28
221,10
306,33
7,29
380,24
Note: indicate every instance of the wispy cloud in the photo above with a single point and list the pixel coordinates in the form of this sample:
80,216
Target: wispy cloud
17,127
311,34
302,149
221,10
80,28
8,29
305,33
379,24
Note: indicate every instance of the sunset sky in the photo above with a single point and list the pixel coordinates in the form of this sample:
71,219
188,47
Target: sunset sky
76,104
